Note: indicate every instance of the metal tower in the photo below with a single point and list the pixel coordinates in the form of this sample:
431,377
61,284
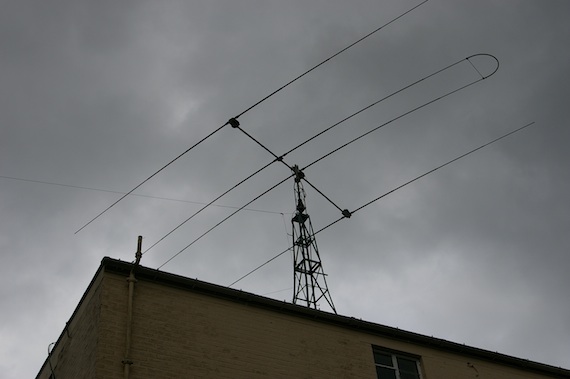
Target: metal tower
309,284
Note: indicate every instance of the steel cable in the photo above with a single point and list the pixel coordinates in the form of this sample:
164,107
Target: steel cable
225,219
333,56
388,193
248,109
332,152
280,158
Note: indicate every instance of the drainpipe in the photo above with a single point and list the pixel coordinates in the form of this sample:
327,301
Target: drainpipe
127,362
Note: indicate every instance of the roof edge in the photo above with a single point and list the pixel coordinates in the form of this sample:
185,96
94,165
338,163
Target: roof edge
118,266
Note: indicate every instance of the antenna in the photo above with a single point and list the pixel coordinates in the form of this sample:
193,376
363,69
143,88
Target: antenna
347,214
309,277
233,121
309,283
236,125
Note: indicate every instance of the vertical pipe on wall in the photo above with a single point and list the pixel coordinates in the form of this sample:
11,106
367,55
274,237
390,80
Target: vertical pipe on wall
127,361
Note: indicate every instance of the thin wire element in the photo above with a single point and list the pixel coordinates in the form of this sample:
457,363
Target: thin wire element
225,219
321,158
280,159
335,55
134,194
273,292
386,194
260,266
150,177
479,72
204,207
302,144
392,120
250,108
441,166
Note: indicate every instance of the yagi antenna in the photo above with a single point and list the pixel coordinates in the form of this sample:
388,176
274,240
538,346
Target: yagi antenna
229,122
386,194
279,158
309,283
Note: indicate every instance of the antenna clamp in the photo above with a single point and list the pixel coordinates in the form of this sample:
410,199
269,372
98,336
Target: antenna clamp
233,122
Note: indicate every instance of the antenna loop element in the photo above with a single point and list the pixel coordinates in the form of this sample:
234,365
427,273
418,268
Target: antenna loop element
496,63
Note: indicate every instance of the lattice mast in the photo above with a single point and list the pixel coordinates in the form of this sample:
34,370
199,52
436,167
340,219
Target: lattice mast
309,284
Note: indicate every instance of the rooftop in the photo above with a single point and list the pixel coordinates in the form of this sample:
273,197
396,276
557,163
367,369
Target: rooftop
114,266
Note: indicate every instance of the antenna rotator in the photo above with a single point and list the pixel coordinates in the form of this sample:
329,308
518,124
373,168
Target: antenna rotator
298,173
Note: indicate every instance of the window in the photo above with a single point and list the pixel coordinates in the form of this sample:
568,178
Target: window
392,365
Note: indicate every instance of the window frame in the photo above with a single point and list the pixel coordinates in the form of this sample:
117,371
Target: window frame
394,354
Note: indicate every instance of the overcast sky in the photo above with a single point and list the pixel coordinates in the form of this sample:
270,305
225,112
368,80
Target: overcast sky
98,95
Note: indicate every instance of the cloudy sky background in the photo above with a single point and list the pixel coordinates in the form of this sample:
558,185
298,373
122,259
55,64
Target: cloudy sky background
101,94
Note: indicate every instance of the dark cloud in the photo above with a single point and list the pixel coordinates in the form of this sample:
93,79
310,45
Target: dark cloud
102,94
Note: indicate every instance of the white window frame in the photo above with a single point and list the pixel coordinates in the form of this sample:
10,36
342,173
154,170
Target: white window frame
394,355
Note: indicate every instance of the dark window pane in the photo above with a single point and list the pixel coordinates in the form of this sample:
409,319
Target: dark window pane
383,359
406,375
407,365
385,373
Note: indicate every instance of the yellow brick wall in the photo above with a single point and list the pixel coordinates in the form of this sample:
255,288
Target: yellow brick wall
443,365
177,333
112,329
180,334
74,356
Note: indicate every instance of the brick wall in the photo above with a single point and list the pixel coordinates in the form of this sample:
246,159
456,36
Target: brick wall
112,328
181,334
178,332
74,355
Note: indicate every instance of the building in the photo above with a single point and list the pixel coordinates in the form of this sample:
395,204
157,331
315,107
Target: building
137,322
